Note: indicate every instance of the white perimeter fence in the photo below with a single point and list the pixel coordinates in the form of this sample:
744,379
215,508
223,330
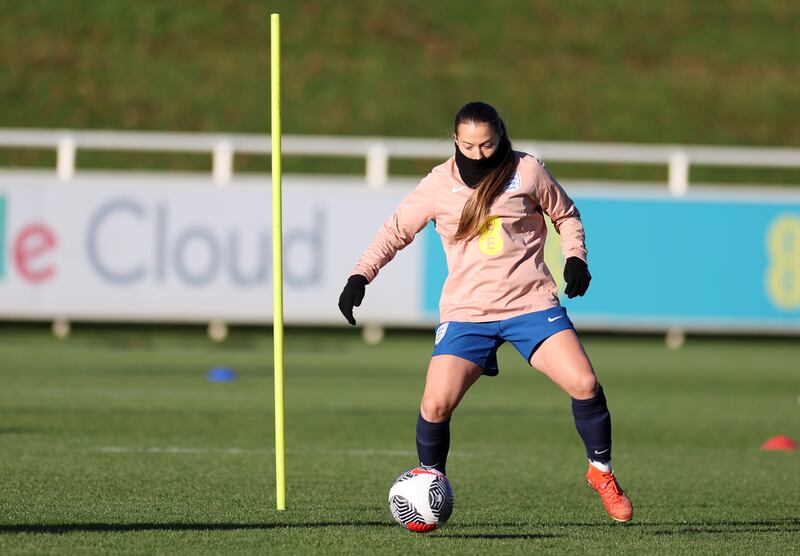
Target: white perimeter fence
161,246
378,150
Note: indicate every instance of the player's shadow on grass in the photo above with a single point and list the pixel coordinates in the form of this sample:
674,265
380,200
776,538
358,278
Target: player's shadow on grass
64,528
778,525
665,528
454,531
496,536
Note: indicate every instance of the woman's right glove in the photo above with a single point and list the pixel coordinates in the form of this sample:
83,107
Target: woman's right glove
352,295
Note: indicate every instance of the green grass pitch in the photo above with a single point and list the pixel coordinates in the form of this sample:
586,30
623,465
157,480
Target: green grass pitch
114,441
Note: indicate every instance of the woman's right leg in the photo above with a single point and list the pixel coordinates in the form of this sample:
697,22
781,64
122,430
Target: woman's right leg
449,377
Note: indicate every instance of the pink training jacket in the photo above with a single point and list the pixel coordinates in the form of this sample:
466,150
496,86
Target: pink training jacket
500,274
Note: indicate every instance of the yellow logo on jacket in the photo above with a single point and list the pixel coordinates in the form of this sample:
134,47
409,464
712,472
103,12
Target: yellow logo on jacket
491,242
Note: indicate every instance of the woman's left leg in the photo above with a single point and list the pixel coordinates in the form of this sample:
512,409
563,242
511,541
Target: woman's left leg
561,357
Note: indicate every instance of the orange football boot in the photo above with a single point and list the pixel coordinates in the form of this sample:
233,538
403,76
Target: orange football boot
616,503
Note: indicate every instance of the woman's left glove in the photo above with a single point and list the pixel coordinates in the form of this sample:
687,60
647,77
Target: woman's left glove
577,277
352,295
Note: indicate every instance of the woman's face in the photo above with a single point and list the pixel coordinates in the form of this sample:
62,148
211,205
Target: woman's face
476,140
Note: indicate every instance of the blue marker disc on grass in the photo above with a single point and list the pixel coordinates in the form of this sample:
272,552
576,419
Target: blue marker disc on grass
221,374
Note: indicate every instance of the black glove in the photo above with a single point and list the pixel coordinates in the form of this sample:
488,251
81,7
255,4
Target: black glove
351,296
577,277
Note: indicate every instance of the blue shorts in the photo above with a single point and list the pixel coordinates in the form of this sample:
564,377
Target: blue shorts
478,341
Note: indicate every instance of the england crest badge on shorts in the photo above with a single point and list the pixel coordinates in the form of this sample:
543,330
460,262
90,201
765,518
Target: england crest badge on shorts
441,330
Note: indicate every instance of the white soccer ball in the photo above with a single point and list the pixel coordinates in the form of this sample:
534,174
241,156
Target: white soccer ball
421,499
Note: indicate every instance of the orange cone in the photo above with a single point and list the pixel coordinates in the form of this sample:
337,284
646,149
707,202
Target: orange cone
779,443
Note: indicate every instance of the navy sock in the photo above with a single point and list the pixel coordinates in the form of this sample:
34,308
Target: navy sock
593,422
433,443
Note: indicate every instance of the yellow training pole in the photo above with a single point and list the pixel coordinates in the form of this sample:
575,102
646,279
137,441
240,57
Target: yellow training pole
277,262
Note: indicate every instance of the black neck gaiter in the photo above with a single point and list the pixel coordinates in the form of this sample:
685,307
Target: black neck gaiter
473,171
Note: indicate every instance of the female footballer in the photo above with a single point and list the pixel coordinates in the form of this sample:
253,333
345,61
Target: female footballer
488,203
